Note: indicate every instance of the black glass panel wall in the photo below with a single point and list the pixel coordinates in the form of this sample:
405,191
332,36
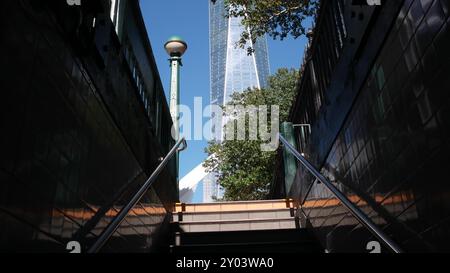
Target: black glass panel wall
389,154
78,135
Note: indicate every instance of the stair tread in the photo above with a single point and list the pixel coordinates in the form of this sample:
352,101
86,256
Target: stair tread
235,221
276,201
254,243
253,249
234,211
218,237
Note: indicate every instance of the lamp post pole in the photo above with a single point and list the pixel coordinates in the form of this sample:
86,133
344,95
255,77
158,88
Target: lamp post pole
175,64
175,47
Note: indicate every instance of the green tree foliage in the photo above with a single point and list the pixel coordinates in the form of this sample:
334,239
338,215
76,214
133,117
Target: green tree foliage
245,171
277,18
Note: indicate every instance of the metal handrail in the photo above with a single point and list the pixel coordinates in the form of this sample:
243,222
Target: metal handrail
355,211
117,221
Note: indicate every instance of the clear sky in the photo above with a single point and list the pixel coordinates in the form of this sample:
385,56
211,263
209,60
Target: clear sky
190,20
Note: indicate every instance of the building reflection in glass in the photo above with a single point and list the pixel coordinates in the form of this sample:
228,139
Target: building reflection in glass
380,123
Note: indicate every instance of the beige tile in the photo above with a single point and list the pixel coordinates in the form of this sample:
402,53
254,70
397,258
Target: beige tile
234,215
233,207
205,208
264,225
260,206
263,215
201,228
205,216
234,226
283,214
287,224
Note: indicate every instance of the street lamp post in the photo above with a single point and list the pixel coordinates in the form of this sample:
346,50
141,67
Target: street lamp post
175,47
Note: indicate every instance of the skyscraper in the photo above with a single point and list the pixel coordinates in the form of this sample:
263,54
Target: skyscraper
232,69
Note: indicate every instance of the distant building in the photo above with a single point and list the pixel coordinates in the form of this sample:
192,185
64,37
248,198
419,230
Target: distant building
232,70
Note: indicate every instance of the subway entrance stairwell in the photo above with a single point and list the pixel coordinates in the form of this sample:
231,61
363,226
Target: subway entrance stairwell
271,226
88,163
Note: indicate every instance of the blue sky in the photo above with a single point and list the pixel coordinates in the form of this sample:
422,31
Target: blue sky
190,20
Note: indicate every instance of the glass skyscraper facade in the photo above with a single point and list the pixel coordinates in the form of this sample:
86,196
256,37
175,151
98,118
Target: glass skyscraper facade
232,70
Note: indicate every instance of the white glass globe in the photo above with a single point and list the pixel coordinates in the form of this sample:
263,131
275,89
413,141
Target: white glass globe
176,46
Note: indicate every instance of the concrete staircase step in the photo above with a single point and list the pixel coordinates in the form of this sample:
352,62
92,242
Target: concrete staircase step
233,215
270,226
236,225
238,237
235,206
262,248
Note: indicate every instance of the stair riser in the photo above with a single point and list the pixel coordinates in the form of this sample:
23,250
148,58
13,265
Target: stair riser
255,236
216,216
234,206
213,227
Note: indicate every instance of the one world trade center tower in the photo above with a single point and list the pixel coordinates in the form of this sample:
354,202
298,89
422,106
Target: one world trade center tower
231,70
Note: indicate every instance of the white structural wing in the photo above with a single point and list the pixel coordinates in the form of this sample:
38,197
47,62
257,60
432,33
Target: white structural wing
189,183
